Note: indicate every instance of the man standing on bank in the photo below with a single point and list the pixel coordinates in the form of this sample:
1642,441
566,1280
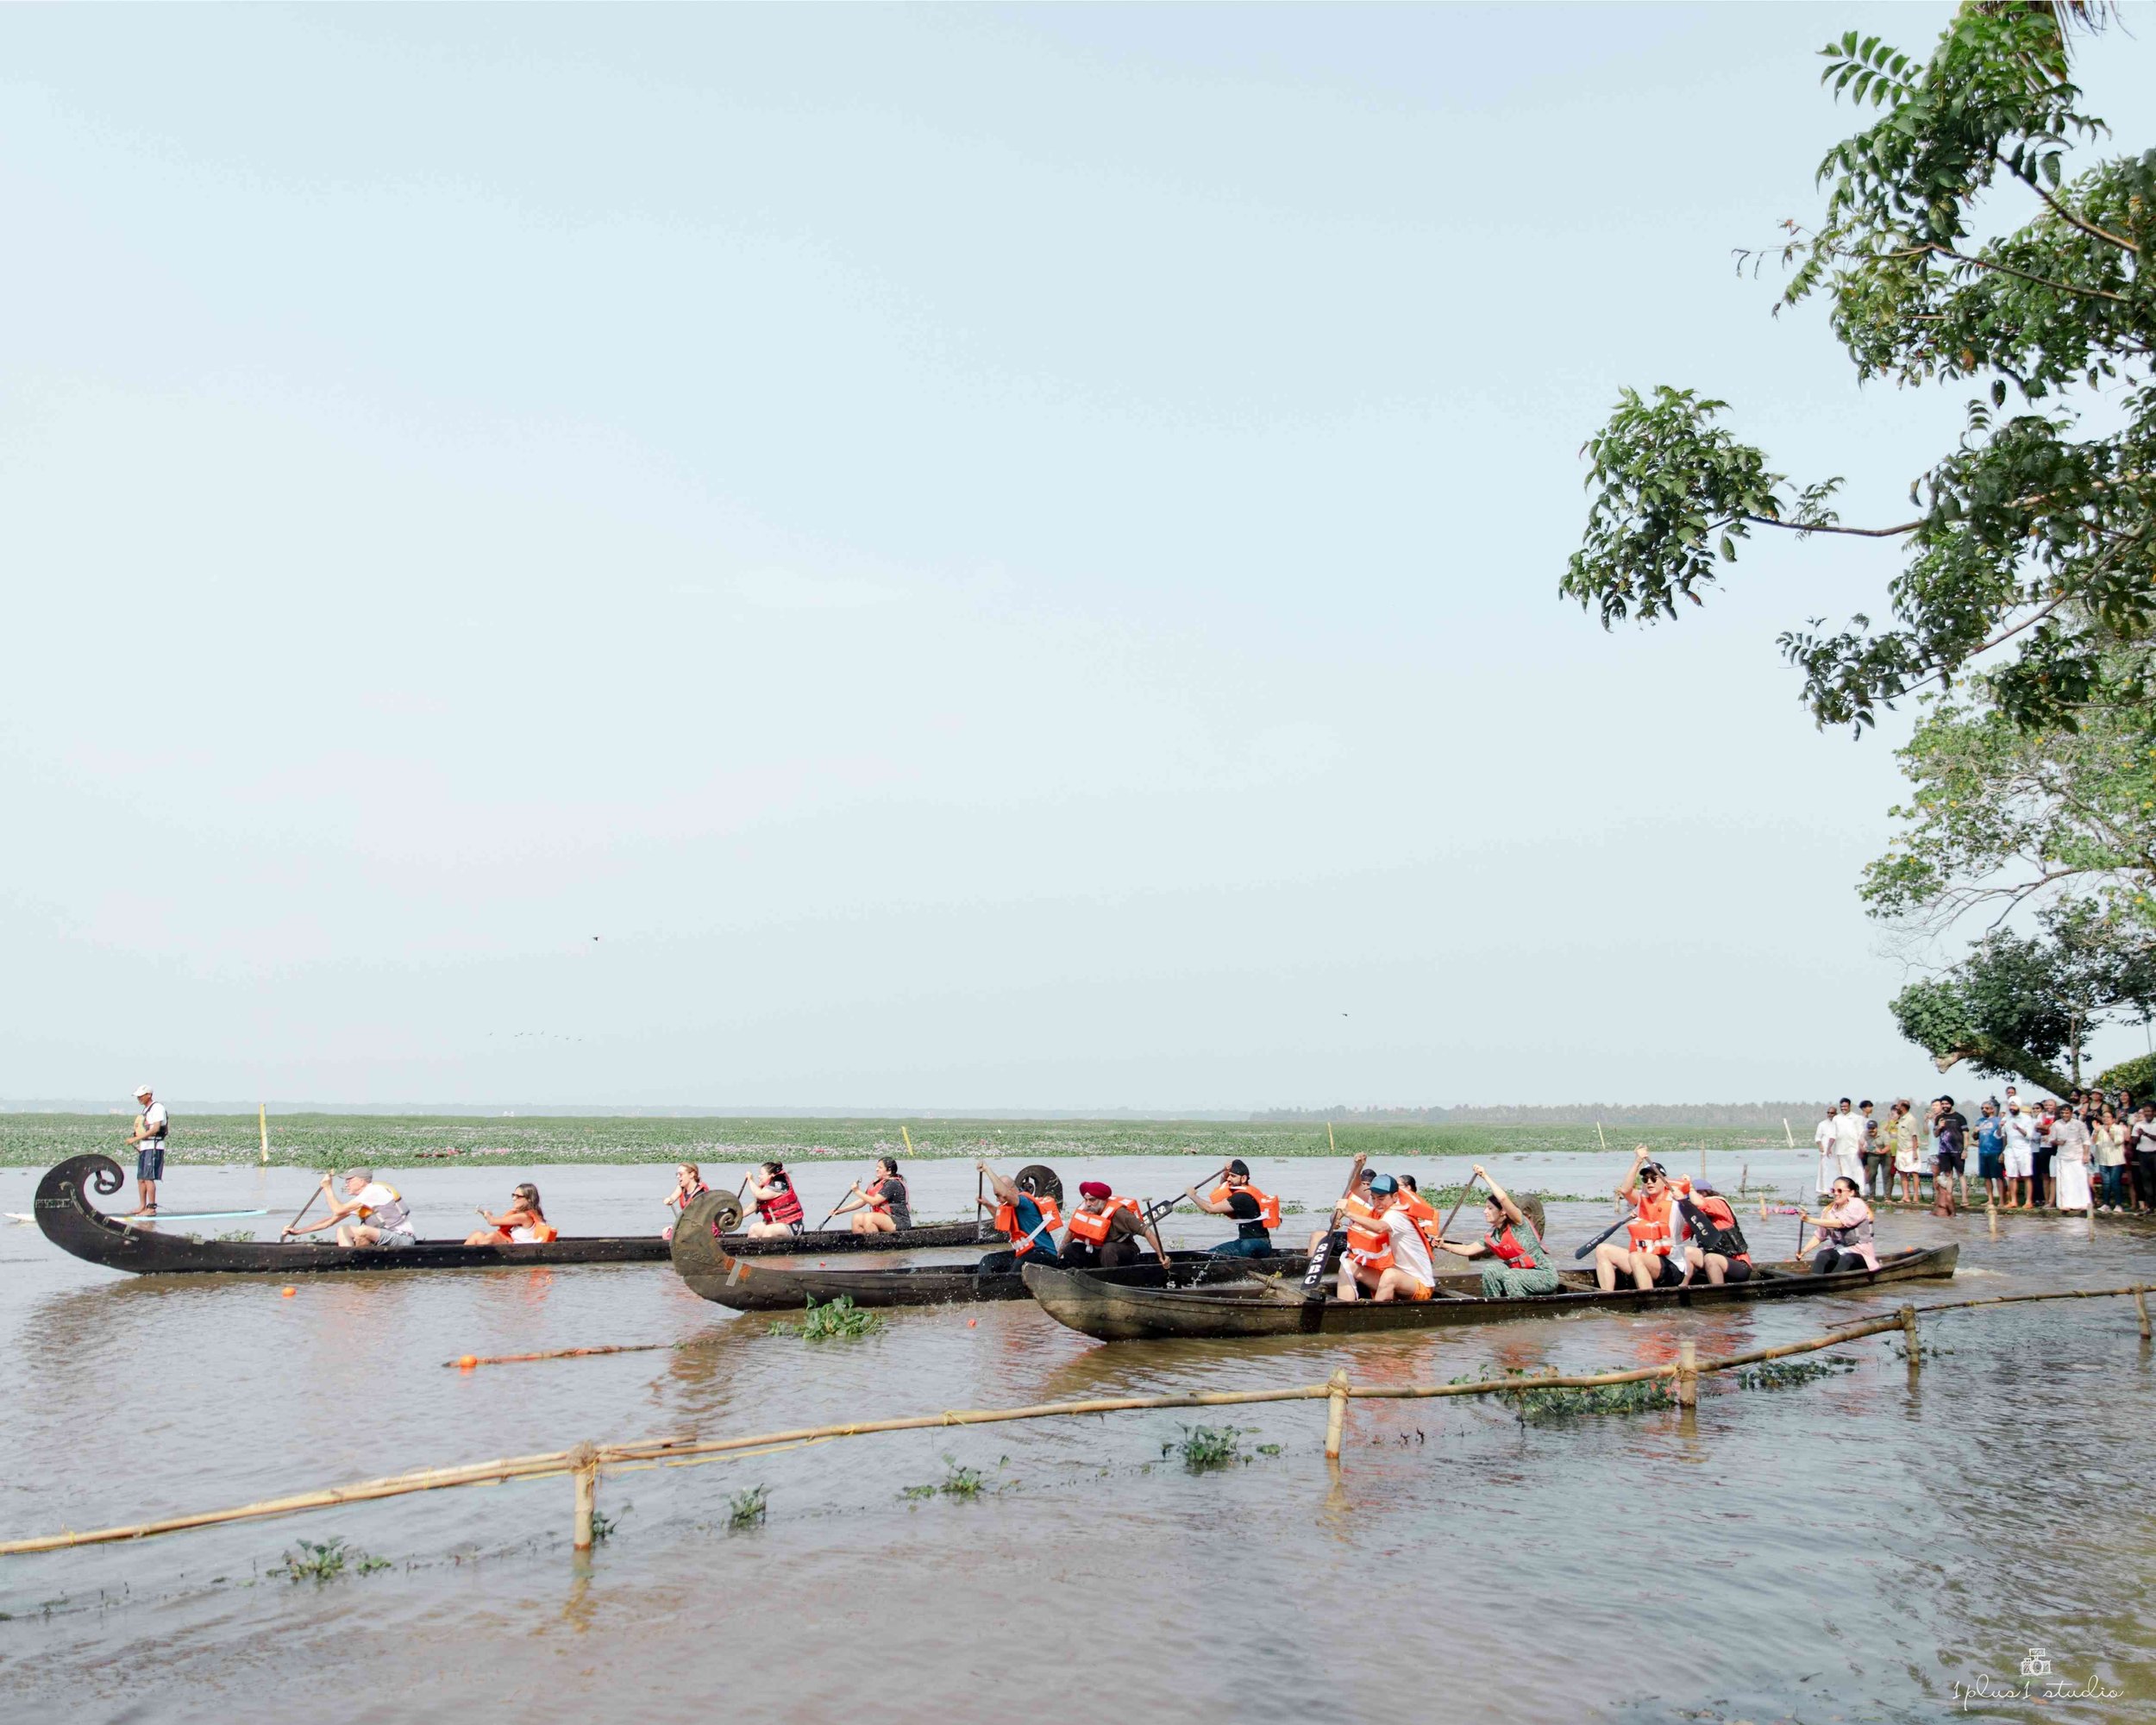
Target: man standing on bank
148,1141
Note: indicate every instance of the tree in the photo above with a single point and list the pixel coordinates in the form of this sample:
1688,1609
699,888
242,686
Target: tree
2018,1002
2034,537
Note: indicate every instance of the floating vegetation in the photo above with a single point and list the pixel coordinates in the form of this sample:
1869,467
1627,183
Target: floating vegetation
604,1525
839,1317
958,1481
237,1236
308,1561
1205,1447
1269,1449
1641,1395
1785,1374
745,1509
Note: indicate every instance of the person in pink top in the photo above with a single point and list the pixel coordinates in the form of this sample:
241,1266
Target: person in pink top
1844,1240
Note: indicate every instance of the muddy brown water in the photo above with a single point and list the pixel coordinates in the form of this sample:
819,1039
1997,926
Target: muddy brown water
1850,1549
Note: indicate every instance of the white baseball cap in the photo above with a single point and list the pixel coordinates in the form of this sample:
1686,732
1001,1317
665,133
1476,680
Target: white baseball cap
144,1091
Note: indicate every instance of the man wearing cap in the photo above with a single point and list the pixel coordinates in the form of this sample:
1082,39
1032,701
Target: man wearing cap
1387,1253
147,1140
1104,1231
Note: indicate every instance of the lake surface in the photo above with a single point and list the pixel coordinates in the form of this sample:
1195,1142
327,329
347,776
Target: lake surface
1850,1549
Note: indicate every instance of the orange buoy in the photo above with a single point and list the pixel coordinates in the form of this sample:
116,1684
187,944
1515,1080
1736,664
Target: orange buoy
973,1323
287,1293
467,1361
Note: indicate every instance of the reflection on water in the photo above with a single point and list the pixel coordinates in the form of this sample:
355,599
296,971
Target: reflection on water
1849,1547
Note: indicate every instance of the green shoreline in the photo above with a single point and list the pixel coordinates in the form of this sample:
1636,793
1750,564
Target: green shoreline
410,1140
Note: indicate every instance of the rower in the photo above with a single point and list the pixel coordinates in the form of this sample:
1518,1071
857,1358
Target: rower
881,1207
1427,1221
1650,1253
1256,1214
1027,1219
689,1187
523,1223
1358,1192
1844,1239
385,1219
1105,1230
1718,1245
778,1205
1385,1250
1523,1266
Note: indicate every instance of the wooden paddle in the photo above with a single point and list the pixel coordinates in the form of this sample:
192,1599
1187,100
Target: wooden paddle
1601,1237
1313,1277
308,1206
1465,1190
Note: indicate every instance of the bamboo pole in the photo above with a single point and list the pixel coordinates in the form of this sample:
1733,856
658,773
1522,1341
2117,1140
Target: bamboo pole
2022,1299
1337,1391
466,1362
1687,1373
585,1469
1991,1212
2140,1306
1336,1414
262,1120
1908,1316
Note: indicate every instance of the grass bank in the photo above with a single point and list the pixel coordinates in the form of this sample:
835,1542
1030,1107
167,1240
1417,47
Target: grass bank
413,1140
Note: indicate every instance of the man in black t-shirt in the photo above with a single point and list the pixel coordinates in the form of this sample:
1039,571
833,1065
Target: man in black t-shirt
1950,1130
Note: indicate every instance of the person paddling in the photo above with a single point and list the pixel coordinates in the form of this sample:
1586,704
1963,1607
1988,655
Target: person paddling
1844,1240
522,1224
778,1207
1523,1266
1651,1251
1718,1246
384,1218
1103,1232
1024,1218
689,1187
1256,1214
1385,1251
882,1205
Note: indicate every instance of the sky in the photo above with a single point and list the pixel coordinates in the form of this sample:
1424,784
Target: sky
980,559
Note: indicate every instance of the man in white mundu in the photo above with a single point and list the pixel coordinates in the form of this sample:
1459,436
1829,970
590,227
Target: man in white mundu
1849,1144
1824,1136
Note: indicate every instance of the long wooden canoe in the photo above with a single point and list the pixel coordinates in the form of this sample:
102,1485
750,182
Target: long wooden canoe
1113,1311
722,1277
71,1222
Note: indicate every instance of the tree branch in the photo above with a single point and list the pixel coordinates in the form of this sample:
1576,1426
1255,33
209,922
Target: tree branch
1824,527
2022,274
2066,214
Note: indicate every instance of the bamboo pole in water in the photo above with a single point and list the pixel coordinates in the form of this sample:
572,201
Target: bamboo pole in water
1336,1414
262,1120
586,1459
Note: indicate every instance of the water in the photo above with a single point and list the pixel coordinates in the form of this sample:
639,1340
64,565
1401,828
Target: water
1846,1550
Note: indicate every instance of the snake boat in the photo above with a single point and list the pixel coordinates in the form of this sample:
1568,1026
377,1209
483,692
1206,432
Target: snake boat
68,1217
1261,1305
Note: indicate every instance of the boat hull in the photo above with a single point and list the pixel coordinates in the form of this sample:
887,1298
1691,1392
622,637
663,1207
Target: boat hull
722,1278
66,1215
1110,1312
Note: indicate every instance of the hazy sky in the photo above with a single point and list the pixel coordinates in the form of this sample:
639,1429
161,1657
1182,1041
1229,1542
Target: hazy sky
993,558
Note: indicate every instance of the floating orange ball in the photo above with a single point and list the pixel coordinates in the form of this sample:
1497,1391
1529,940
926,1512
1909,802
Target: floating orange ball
973,1323
287,1293
466,1362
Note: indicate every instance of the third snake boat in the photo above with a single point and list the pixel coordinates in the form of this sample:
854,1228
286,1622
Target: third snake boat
1265,1306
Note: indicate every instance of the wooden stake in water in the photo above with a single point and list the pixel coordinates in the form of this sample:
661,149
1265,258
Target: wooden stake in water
586,1477
907,1136
2140,1305
1991,1213
261,1120
1908,1339
1787,1133
1336,1415
1598,1133
1330,1143
1687,1373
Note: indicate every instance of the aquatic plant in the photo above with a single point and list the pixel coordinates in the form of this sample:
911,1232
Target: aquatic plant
839,1317
604,1525
1205,1447
308,1561
745,1509
1784,1374
1534,1405
958,1481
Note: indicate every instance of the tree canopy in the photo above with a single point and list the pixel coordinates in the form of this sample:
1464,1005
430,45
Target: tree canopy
2034,537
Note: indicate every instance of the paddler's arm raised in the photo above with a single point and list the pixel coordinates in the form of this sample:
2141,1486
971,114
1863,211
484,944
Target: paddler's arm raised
1513,1212
1006,1192
1632,1181
1222,1208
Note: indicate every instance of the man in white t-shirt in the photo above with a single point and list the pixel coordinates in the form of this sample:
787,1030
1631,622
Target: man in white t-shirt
2021,1153
148,1141
384,1219
1410,1276
1849,1135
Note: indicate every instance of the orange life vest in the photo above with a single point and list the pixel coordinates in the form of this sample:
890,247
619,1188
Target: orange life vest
1427,1221
1092,1225
1006,1221
1267,1205
1650,1230
544,1230
1506,1247
1370,1242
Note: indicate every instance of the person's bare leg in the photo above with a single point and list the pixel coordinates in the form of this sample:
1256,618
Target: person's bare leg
1608,1260
1346,1288
1646,1269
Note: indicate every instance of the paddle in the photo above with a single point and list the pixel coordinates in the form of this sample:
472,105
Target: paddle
308,1206
1465,1190
1601,1237
1160,1206
1313,1277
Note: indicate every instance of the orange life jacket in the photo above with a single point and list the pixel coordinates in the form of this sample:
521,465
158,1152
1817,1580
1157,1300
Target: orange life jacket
1006,1221
1650,1230
544,1231
1370,1242
1267,1205
1092,1225
1427,1221
1506,1247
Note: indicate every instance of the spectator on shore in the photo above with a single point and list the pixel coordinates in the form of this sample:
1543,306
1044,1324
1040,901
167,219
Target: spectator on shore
2070,1144
1849,1144
2141,1150
1826,1134
1950,1129
1878,1155
1908,1162
2110,1160
1991,1153
2040,1153
2020,1152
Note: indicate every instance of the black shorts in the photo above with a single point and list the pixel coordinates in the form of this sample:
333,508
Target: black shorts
1951,1162
1668,1273
1737,1270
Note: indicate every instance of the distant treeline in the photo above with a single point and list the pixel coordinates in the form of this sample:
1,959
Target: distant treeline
1569,1114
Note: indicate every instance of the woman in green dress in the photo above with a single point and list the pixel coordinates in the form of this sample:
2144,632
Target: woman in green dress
1523,1266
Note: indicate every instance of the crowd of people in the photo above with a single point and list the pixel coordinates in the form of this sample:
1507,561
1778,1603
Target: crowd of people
2093,1150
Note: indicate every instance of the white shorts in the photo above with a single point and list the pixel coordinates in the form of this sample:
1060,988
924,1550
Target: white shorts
2018,1165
